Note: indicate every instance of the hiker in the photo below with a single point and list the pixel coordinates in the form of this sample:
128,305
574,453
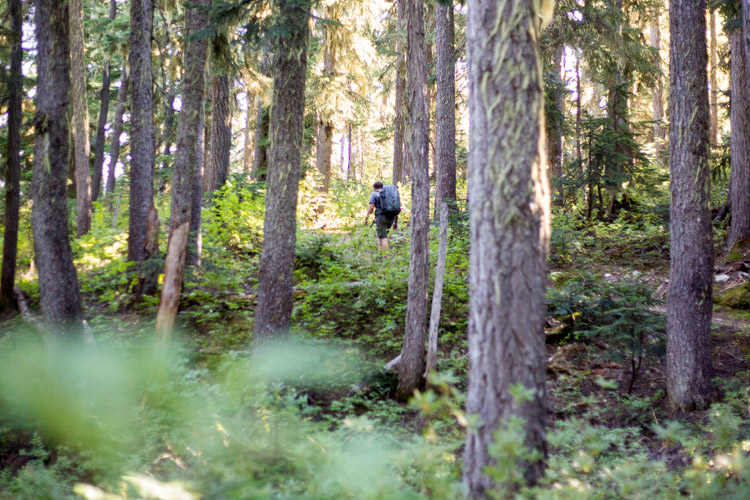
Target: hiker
387,205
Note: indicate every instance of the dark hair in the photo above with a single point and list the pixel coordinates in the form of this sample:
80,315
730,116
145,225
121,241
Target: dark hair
377,185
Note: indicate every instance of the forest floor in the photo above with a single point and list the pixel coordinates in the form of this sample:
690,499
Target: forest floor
351,297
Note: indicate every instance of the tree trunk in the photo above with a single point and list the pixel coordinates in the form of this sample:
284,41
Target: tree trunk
739,183
195,241
445,108
398,124
247,152
187,157
437,292
13,165
509,207
221,134
324,136
142,141
274,309
657,100
58,282
746,32
411,369
323,150
689,305
96,182
349,168
262,131
714,96
81,146
114,148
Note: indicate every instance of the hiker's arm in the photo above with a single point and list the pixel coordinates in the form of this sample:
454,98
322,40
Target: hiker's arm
367,217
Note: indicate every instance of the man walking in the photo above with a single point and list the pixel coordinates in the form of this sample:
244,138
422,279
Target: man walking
385,218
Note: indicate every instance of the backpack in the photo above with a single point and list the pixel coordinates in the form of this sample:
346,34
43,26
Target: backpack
389,202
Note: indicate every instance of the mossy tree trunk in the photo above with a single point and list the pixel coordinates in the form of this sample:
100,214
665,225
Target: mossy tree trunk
509,207
274,310
714,96
689,305
80,136
58,282
13,162
262,132
739,183
412,366
324,133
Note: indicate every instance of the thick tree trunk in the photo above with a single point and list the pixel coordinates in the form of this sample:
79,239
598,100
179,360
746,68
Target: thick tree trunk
221,134
96,182
714,96
81,146
657,100
445,108
262,131
114,148
746,32
399,152
411,369
274,309
509,207
739,183
58,282
187,157
142,141
689,305
13,162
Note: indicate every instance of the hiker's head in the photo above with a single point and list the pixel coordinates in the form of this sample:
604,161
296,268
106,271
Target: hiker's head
377,185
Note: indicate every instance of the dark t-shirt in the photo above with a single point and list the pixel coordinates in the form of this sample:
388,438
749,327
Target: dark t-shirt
375,200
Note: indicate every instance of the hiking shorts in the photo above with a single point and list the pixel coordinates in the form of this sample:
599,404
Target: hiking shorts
382,225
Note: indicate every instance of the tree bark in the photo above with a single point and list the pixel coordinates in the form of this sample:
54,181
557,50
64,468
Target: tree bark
411,369
142,142
187,157
739,182
96,182
58,282
399,152
13,162
81,146
221,134
509,207
114,148
445,107
689,305
274,310
714,96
